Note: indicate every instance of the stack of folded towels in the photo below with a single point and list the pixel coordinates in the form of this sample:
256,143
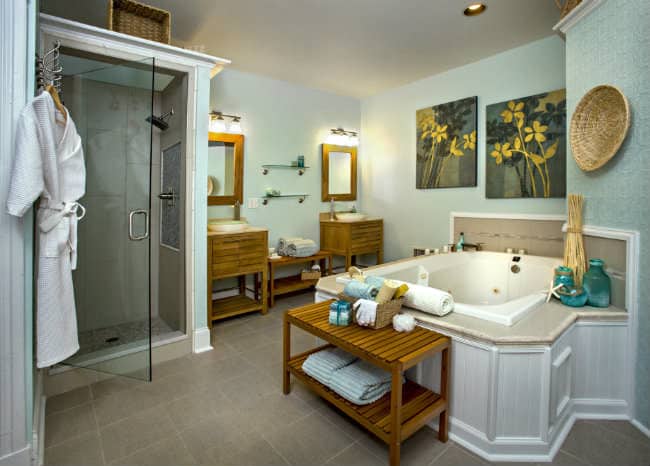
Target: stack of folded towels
296,247
355,380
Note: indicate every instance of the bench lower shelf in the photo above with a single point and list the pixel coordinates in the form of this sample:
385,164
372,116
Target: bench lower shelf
419,404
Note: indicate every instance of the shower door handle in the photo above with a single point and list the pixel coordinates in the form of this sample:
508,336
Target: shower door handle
132,215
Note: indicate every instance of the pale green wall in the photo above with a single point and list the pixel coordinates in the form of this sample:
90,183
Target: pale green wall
421,217
280,121
200,193
612,46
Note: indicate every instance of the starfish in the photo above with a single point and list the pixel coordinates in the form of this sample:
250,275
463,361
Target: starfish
552,291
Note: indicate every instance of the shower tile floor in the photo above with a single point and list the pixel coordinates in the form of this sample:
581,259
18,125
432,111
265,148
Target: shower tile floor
92,341
226,407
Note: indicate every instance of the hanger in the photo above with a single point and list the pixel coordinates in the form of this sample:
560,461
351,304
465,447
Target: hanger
57,101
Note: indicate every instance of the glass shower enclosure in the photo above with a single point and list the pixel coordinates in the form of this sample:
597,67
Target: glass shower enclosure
116,108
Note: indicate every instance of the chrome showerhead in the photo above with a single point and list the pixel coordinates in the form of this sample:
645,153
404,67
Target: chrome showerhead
159,121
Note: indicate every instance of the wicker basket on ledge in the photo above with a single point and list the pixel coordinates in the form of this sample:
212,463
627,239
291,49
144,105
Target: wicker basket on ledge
140,20
385,312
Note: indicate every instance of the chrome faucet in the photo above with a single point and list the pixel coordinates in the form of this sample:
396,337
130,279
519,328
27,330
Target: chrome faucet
237,210
332,209
476,247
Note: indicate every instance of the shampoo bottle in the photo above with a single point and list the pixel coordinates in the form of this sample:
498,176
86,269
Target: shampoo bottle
461,242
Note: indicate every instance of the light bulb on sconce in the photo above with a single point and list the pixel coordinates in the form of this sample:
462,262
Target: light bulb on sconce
235,126
217,124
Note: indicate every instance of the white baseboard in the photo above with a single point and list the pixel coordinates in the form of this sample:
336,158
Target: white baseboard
21,457
643,428
531,449
202,340
38,421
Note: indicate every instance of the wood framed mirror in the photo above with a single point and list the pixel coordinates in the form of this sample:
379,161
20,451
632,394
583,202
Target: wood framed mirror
225,168
339,173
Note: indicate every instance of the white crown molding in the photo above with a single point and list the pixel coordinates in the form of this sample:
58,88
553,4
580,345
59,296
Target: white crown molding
576,15
64,28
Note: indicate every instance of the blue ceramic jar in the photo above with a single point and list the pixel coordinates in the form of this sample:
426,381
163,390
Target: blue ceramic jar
597,284
574,297
563,276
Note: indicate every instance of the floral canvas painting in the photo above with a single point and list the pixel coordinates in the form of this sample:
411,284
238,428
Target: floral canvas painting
446,145
526,147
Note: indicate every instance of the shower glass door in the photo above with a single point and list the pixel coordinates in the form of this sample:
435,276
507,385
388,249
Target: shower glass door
111,105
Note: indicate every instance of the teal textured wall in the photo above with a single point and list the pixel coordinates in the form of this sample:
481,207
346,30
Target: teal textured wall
612,46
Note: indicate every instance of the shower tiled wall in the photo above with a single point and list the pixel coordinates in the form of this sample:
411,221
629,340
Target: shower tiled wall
112,278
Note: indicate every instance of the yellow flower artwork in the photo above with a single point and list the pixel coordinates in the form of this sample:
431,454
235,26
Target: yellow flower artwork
525,147
446,145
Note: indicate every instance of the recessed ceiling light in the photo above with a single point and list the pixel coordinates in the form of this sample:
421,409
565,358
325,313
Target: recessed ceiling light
475,9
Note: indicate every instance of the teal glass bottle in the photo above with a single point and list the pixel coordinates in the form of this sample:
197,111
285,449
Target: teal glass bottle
597,284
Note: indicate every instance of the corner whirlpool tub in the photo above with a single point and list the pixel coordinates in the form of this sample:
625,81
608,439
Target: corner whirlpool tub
496,287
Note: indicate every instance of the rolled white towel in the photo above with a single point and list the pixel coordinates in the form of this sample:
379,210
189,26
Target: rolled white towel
429,300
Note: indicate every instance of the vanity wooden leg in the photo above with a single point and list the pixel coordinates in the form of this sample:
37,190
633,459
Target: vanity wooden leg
443,420
265,291
380,257
271,285
348,262
396,416
286,355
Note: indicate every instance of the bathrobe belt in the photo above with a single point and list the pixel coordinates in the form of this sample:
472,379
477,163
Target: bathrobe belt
59,210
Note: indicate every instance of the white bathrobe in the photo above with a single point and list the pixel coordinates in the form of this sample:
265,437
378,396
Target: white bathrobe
48,162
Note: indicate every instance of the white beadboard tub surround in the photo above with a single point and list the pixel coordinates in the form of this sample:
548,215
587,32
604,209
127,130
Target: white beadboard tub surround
516,398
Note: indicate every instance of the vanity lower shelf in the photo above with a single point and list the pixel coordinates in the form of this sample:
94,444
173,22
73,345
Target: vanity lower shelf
234,305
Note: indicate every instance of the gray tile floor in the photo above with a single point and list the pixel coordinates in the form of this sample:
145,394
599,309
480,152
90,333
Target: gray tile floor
226,407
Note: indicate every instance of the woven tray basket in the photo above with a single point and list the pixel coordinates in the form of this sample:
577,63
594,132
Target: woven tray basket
599,126
385,312
138,19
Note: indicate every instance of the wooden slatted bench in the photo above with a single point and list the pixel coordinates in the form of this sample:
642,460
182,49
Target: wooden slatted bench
397,415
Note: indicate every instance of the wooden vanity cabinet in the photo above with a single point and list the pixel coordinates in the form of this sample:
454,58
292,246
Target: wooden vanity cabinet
350,239
233,255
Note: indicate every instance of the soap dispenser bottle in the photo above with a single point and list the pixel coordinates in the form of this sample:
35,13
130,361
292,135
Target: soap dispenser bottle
461,242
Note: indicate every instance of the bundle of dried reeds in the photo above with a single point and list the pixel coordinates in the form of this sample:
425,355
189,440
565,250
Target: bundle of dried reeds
574,248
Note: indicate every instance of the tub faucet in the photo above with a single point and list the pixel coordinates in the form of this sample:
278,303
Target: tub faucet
476,247
332,209
237,215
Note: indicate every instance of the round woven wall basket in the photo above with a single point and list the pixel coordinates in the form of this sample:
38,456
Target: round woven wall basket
599,126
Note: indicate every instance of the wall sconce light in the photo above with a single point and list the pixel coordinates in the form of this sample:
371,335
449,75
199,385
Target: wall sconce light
219,125
341,137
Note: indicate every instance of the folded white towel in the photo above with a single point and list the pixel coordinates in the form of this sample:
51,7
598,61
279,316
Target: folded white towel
366,312
429,300
283,243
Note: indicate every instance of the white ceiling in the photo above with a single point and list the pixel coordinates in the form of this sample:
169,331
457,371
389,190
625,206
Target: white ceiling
350,47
